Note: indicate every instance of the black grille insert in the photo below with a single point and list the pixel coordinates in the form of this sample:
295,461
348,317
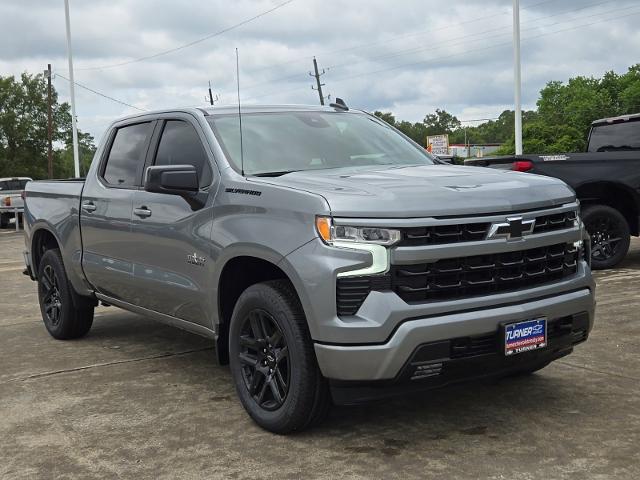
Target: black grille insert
463,277
483,274
556,221
443,234
473,232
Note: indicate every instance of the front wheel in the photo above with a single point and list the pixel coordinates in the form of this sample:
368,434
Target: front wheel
272,359
60,316
609,233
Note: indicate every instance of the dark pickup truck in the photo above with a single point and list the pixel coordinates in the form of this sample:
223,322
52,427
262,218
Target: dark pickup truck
606,179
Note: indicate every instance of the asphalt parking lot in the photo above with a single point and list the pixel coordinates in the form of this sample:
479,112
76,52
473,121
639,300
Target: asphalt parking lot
136,399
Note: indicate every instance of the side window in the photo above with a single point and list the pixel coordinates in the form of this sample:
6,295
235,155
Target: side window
126,156
181,145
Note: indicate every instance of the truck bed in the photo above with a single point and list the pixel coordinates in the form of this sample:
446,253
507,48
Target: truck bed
53,206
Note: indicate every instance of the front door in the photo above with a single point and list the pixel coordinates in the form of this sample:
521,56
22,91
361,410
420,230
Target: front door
173,264
105,216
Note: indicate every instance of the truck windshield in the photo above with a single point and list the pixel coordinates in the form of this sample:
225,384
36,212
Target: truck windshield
282,142
615,137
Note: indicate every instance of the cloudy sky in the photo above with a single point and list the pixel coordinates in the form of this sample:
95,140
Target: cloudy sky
404,56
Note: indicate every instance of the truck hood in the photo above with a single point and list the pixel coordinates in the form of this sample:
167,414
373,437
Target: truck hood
426,190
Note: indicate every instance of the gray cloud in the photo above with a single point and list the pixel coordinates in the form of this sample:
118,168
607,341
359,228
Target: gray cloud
410,56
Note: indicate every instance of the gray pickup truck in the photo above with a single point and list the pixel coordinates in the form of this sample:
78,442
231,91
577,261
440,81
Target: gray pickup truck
329,257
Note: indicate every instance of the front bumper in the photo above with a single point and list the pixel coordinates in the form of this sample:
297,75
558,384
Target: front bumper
474,358
385,361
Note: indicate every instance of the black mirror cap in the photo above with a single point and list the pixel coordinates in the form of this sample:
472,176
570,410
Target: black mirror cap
172,179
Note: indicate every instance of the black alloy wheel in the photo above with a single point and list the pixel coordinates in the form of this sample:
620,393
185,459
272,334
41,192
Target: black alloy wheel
272,359
264,357
609,232
64,317
50,294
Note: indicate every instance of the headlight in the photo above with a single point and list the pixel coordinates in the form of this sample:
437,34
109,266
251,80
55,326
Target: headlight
331,233
373,240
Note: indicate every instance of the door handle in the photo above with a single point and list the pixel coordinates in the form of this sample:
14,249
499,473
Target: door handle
142,212
89,207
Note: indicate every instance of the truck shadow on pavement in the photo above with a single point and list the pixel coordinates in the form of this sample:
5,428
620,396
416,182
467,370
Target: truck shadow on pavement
491,409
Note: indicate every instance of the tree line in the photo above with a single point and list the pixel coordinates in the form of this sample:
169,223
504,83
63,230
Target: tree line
24,130
559,124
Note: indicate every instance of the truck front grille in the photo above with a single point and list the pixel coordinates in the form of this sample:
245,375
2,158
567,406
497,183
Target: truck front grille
463,277
474,232
483,274
443,234
556,221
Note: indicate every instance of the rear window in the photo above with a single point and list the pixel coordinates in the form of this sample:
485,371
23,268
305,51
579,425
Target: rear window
126,157
615,137
13,184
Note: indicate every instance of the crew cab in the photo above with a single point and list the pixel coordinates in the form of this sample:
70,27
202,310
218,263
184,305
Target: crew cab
606,179
330,258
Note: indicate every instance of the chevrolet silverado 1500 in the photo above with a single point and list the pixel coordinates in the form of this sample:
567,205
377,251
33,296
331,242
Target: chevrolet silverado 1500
327,255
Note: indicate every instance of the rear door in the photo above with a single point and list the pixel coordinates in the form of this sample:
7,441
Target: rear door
173,265
106,208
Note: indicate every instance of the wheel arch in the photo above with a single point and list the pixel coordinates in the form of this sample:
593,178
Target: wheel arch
614,195
236,274
42,239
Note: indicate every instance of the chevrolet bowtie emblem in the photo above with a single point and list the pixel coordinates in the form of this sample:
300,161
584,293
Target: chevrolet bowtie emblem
513,229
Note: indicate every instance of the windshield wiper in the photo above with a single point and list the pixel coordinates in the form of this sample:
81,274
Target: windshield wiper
273,174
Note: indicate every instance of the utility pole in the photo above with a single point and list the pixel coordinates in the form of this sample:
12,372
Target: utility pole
47,73
517,76
211,99
317,75
72,91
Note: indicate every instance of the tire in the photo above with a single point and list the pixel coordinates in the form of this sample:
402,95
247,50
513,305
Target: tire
609,233
272,360
60,316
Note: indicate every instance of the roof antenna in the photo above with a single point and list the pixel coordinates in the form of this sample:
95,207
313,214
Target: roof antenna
239,113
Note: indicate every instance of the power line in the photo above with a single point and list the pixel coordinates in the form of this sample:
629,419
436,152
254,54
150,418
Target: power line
104,95
393,39
446,57
492,46
192,43
445,43
442,43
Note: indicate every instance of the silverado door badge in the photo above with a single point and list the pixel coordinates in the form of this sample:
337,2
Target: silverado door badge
194,259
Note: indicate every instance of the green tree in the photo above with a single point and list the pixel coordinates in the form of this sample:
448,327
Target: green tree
23,129
440,122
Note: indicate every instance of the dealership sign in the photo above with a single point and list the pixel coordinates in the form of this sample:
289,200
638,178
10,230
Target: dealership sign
438,144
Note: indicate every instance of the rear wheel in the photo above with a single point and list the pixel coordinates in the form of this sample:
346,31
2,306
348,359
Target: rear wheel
609,233
61,318
272,360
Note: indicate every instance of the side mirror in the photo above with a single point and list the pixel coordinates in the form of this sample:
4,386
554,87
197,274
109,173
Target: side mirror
179,180
171,179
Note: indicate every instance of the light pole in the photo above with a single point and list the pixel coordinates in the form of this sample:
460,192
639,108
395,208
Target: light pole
72,91
517,76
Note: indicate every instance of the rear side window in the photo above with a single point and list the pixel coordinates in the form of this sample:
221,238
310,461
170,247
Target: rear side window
615,137
181,145
126,157
17,184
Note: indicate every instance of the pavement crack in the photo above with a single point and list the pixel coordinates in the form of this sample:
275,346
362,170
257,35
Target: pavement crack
105,364
601,372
